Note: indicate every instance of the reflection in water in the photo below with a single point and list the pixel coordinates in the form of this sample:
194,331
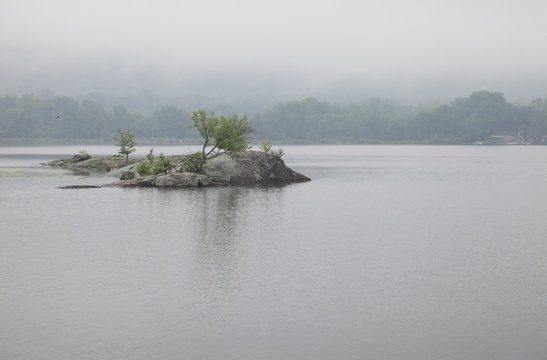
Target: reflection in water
228,219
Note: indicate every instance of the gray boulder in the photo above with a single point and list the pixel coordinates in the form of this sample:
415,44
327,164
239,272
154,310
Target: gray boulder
125,172
251,167
80,157
127,175
182,180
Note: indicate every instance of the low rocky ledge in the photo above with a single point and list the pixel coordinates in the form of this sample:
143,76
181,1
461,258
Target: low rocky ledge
85,164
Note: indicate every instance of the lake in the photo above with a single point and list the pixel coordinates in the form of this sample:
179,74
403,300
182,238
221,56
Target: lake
390,252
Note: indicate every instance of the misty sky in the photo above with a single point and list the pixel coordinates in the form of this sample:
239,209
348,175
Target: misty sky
388,48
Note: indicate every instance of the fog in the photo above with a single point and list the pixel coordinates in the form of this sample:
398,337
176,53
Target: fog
341,50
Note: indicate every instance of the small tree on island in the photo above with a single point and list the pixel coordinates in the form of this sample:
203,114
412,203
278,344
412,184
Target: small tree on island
125,140
220,134
267,148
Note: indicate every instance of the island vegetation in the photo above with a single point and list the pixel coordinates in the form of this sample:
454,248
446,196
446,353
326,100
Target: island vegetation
465,120
126,141
220,134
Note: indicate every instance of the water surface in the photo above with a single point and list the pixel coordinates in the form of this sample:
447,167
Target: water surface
391,252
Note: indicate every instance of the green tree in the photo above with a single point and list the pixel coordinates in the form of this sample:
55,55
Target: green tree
220,134
126,143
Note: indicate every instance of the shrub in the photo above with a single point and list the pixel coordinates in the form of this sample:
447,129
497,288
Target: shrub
162,165
145,168
267,148
155,166
277,153
191,162
150,155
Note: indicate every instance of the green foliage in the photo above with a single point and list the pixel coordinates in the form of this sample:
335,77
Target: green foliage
145,168
191,163
267,148
162,165
150,155
125,140
277,153
220,134
233,134
155,166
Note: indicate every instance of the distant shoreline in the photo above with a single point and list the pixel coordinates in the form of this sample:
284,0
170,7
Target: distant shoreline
194,142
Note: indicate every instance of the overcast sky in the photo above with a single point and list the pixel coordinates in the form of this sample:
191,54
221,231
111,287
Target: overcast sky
387,47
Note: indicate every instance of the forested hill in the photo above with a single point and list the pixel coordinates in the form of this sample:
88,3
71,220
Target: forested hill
465,120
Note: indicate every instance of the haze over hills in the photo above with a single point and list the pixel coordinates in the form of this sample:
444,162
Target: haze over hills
228,52
217,88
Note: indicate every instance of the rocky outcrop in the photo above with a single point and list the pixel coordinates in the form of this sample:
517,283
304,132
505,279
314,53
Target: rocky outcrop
251,167
80,157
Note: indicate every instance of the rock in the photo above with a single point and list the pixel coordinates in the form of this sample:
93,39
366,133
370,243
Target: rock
251,167
80,157
129,168
79,187
127,175
102,164
182,180
146,181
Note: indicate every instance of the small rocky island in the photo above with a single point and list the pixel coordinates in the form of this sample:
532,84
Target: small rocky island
244,168
224,159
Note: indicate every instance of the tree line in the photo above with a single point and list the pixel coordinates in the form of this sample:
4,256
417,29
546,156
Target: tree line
465,120
28,116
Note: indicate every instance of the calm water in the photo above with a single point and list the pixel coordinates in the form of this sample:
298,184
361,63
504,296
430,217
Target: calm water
391,252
